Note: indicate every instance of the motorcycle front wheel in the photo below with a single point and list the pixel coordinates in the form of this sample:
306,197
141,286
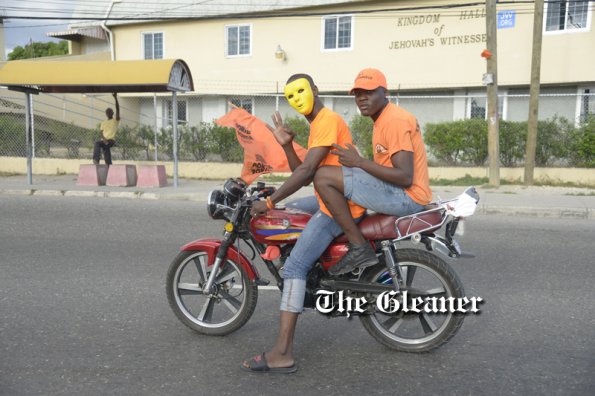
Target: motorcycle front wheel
425,275
220,313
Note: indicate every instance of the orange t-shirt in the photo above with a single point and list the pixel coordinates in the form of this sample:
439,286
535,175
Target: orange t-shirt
327,128
395,130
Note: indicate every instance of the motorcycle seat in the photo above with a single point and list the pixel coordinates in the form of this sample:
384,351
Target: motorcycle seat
378,226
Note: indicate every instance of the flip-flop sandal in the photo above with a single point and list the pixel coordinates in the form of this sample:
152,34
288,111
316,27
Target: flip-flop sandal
258,364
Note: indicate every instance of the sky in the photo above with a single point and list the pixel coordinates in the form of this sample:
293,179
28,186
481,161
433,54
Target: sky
20,31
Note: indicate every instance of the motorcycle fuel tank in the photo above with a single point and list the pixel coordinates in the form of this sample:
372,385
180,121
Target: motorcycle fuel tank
279,226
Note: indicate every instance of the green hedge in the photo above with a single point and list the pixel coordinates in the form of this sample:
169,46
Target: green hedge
559,142
457,143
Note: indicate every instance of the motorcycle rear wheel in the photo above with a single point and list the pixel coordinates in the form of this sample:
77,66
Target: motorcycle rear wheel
412,331
222,313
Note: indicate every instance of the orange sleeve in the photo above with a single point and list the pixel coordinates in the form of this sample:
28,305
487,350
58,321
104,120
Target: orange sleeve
398,137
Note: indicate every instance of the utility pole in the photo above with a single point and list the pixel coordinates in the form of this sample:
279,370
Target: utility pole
491,81
534,93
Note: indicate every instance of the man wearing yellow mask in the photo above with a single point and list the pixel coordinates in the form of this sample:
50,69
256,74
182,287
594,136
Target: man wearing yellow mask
326,128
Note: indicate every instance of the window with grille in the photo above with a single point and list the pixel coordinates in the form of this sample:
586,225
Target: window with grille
337,32
245,103
182,112
153,45
238,40
477,107
567,15
587,104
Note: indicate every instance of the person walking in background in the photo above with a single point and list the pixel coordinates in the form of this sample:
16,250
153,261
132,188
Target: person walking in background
108,129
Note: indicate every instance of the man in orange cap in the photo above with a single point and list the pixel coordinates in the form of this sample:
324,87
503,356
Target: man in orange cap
395,183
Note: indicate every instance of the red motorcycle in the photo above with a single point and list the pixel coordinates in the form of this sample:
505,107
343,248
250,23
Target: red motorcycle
411,301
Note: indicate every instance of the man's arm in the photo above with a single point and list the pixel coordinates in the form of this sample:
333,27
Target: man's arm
284,136
293,159
400,174
115,95
301,176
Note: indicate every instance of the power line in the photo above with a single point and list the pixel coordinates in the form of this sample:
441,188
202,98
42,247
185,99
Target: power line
448,10
269,14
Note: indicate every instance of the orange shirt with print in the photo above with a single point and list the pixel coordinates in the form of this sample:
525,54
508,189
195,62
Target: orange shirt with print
396,130
327,128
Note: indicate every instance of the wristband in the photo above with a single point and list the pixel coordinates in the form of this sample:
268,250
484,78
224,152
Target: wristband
270,204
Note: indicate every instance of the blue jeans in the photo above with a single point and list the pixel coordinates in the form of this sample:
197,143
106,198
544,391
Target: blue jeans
307,204
377,195
313,241
316,237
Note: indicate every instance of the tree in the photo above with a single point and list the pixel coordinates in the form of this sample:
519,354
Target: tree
38,50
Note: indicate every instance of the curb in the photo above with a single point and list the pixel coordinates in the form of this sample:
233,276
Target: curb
557,212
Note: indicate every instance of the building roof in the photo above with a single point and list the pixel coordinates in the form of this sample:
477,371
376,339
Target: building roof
139,11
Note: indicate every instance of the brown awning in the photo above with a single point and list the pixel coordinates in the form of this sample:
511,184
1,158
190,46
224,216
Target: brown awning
77,34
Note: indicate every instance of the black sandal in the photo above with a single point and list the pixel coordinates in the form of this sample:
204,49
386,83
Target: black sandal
258,364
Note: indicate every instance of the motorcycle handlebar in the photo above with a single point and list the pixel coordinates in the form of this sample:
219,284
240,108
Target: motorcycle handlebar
263,192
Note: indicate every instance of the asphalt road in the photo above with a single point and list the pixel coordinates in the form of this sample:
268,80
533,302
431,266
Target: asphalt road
83,312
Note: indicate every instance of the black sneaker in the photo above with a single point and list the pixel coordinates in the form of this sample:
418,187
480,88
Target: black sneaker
358,256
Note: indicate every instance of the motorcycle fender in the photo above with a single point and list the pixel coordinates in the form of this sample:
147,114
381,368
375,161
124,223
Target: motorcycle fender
211,247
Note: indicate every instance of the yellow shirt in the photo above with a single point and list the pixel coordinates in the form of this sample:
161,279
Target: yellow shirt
109,128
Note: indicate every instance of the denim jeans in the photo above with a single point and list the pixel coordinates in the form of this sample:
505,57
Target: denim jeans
313,241
316,237
307,204
377,195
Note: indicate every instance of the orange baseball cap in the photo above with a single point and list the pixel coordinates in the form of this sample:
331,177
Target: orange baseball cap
369,79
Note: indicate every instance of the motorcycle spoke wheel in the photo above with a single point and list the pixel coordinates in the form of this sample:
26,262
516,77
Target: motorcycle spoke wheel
423,275
219,313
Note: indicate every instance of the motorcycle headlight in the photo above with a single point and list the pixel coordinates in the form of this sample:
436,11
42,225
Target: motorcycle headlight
214,204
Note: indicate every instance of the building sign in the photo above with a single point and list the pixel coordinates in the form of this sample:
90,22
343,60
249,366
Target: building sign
506,19
438,30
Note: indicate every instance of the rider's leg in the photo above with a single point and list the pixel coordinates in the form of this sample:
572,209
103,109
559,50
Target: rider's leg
377,195
328,182
307,204
292,304
316,237
368,191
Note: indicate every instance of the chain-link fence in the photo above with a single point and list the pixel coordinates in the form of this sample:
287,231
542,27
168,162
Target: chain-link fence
66,126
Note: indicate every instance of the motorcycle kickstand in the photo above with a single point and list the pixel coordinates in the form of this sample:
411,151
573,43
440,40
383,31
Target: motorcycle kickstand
393,269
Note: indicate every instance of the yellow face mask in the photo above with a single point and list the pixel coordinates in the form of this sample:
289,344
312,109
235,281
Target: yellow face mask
300,96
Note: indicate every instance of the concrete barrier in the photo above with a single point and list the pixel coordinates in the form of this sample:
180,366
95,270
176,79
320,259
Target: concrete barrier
92,175
151,176
121,176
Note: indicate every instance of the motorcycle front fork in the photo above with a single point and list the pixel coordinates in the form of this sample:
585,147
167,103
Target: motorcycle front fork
393,269
209,288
